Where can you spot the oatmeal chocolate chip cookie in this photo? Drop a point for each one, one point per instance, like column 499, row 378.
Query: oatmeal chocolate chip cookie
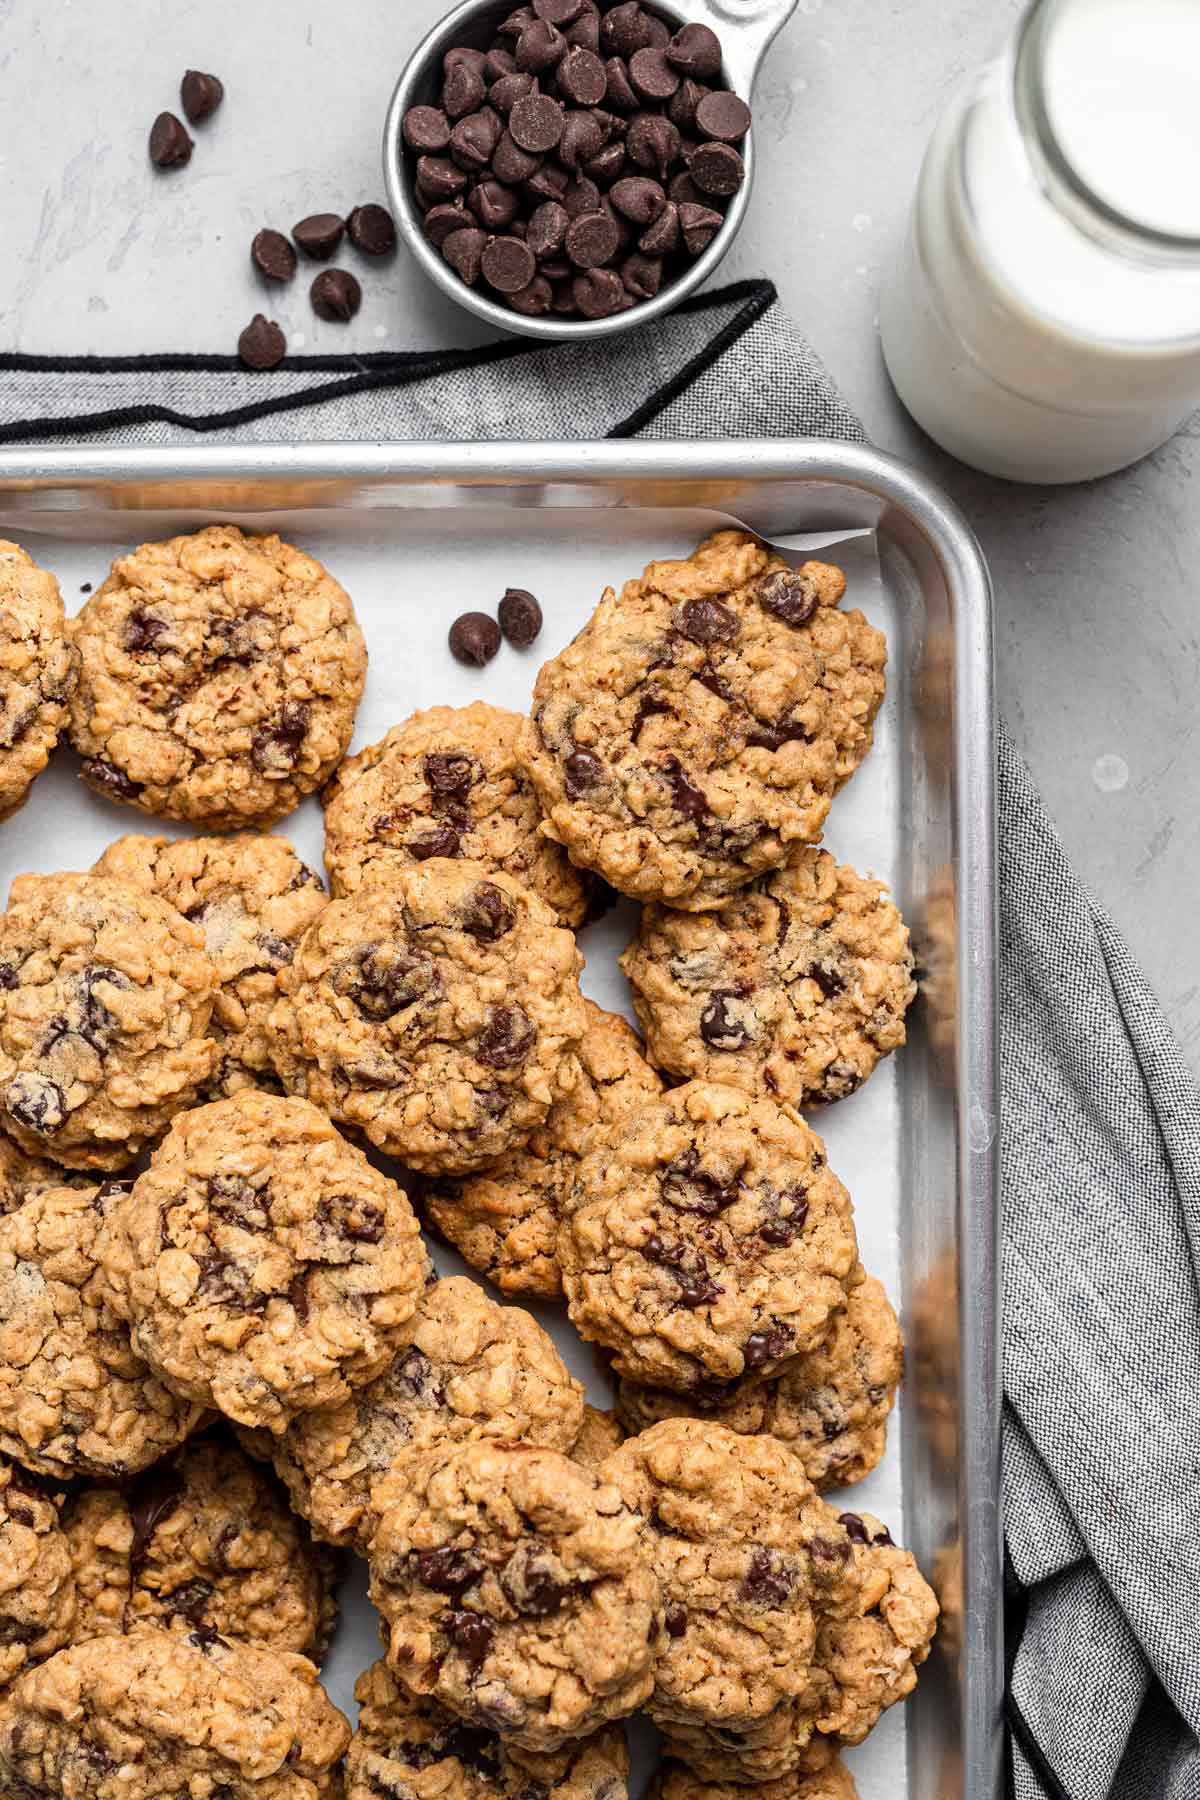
column 38, row 669
column 219, row 681
column 706, row 1237
column 37, row 1588
column 505, row 1219
column 732, row 1526
column 253, row 899
column 473, row 1369
column 675, row 1781
column 446, row 783
column 600, row 1434
column 203, row 1540
column 415, row 1748
column 698, row 727
column 798, row 986
column 876, row 1617
column 22, row 1176
column 518, row 1592
column 264, row 1267
column 157, row 1715
column 829, row 1407
column 105, row 997
column 438, row 1014
column 74, row 1398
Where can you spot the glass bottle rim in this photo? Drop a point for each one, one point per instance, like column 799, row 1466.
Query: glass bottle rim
column 1064, row 184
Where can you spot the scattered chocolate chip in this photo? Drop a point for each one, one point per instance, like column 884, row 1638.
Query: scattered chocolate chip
column 335, row 295
column 689, row 1188
column 581, row 772
column 536, row 123
column 201, row 95
column 723, row 117
column 273, row 255
column 582, row 77
column 520, row 617
column 36, row 1102
column 319, row 235
column 676, row 1621
column 463, row 90
column 470, row 1635
column 687, row 796
column 699, row 226
column 717, row 169
column 508, row 265
column 488, row 916
column 769, row 1578
column 170, row 145
column 448, row 1571
column 706, row 622
column 790, row 595
column 425, row 129
column 474, row 637
column 651, row 75
column 110, row 779
column 275, row 748
column 443, row 840
column 262, row 344
column 142, row 630
column 763, row 1347
column 592, row 240
column 532, row 1582
column 625, row 30
column 724, row 1022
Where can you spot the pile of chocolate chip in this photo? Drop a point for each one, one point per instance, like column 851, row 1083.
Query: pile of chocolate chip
column 582, row 161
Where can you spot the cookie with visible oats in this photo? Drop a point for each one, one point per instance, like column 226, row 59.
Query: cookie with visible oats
column 446, row 782
column 416, row 1748
column 37, row 1587
column 694, row 733
column 38, row 670
column 253, row 899
column 505, row 1219
column 675, row 1781
column 263, row 1265
column 706, row 1238
column 219, row 678
column 439, row 1014
column 797, row 987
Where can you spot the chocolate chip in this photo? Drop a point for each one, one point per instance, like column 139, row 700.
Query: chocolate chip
column 474, row 139
column 607, row 166
column 651, row 75
column 695, row 50
column 585, row 32
column 465, row 54
column 153, row 1497
column 789, row 594
column 451, row 774
column 688, row 1270
column 534, row 300
column 505, row 93
column 463, row 90
column 517, row 22
column 619, row 93
column 784, row 1231
column 273, row 256
column 205, row 1639
column 540, row 46
column 8, row 976
column 531, row 1581
column 723, row 117
column 706, row 622
column 717, row 169
column 110, row 780
column 723, row 1022
column 548, row 230
column 854, row 1528
column 142, row 630
column 769, row 1578
column 319, row 235
column 763, row 1347
column 36, row 1102
column 494, row 205
column 443, row 840
column 512, row 165
column 599, row 294
column 442, row 222
column 639, row 198
column 474, row 637
column 830, row 981
column 581, row 772
column 682, row 108
column 488, row 914
column 335, row 295
column 683, row 190
column 498, row 63
column 448, row 1571
column 463, row 250
column 275, row 747
column 592, row 240
column 699, row 225
column 470, row 1635
column 581, row 140
column 582, row 77
column 201, row 95
column 581, row 196
column 660, row 31
column 689, row 1188
column 507, row 1039
column 676, row 1621
column 508, row 265
column 536, row 123
column 625, row 29
column 170, row 145
column 425, row 129
column 520, row 617
column 558, row 12
column 352, row 1218
column 385, row 979
column 653, row 143
column 688, row 798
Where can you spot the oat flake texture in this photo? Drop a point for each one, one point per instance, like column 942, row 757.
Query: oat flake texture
column 38, row 668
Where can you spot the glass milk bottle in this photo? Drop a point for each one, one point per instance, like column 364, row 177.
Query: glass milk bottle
column 1042, row 320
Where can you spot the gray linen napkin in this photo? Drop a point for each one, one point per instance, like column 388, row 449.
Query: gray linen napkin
column 1101, row 1156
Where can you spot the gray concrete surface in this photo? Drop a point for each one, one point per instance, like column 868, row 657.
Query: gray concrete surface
column 1097, row 587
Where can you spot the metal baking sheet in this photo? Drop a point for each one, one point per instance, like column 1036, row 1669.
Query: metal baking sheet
column 417, row 534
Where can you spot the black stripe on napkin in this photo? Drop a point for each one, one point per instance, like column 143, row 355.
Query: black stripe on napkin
column 353, row 374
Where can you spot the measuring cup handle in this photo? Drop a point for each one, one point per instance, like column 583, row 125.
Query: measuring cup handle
column 746, row 28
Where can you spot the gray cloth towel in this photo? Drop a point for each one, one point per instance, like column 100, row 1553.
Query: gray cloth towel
column 1101, row 1154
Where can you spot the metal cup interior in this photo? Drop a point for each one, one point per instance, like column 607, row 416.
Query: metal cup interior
column 474, row 24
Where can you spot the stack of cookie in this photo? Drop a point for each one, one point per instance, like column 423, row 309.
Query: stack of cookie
column 212, row 1078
